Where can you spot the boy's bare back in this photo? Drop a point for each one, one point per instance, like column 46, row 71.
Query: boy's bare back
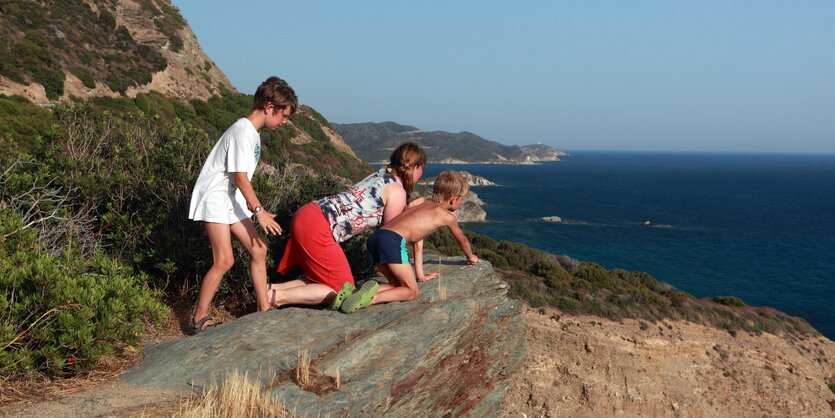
column 420, row 219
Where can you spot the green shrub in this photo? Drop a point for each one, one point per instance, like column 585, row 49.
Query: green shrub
column 60, row 314
column 85, row 77
column 143, row 103
column 21, row 122
column 728, row 300
column 568, row 304
column 495, row 259
column 308, row 123
column 34, row 57
column 596, row 275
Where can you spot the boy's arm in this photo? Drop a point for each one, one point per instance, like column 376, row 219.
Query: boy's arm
column 265, row 218
column 458, row 234
column 421, row 277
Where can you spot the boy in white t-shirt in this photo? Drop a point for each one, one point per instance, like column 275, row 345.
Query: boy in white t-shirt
column 224, row 200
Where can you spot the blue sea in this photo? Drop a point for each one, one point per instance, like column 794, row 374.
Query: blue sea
column 757, row 226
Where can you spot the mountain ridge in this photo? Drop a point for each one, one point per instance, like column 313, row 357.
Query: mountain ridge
column 373, row 142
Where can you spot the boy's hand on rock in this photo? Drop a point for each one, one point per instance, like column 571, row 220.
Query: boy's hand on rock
column 472, row 260
column 428, row 277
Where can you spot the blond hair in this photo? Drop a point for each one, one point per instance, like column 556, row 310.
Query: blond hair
column 403, row 162
column 449, row 184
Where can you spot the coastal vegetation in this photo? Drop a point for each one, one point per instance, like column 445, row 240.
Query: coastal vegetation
column 578, row 287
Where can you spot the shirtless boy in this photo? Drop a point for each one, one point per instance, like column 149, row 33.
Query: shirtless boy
column 387, row 246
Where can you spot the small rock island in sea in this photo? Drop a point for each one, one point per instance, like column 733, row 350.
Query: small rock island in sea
column 472, row 180
column 650, row 224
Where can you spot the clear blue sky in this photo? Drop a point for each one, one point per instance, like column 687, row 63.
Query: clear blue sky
column 751, row 76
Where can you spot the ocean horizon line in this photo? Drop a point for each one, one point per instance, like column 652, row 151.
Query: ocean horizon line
column 692, row 152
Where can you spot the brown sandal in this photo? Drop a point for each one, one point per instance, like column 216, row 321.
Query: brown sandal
column 197, row 327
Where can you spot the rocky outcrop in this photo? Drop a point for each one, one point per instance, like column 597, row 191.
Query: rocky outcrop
column 472, row 210
column 440, row 356
column 538, row 153
column 650, row 224
column 587, row 366
column 472, row 180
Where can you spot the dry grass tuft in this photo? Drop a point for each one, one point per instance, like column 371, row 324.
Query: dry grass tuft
column 441, row 290
column 307, row 378
column 237, row 397
column 338, row 380
column 303, row 368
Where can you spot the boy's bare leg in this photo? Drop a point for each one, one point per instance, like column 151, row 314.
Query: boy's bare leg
column 309, row 294
column 222, row 261
column 403, row 284
column 384, row 286
column 247, row 234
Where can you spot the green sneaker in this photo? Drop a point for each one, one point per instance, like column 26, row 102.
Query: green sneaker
column 361, row 298
column 346, row 290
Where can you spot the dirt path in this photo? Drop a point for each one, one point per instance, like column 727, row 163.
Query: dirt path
column 113, row 398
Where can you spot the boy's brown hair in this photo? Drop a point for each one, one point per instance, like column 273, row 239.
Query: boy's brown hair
column 276, row 91
column 449, row 184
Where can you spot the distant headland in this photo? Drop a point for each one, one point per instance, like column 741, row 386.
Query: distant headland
column 373, row 143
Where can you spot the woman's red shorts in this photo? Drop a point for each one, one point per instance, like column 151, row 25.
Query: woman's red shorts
column 311, row 246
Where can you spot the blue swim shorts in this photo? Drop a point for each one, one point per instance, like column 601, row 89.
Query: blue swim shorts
column 387, row 247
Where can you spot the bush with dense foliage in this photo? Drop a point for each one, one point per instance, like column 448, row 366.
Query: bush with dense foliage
column 61, row 313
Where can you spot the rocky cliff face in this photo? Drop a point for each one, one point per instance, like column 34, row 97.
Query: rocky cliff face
column 85, row 49
column 449, row 353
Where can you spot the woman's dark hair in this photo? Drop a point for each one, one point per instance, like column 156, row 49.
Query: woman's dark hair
column 404, row 159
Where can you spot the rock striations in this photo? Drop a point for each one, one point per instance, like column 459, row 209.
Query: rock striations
column 432, row 356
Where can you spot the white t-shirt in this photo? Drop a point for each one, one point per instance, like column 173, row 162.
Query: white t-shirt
column 237, row 150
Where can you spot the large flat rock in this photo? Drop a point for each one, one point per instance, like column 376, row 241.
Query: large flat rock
column 432, row 356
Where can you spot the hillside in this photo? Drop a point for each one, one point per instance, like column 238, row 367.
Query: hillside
column 53, row 50
column 373, row 142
